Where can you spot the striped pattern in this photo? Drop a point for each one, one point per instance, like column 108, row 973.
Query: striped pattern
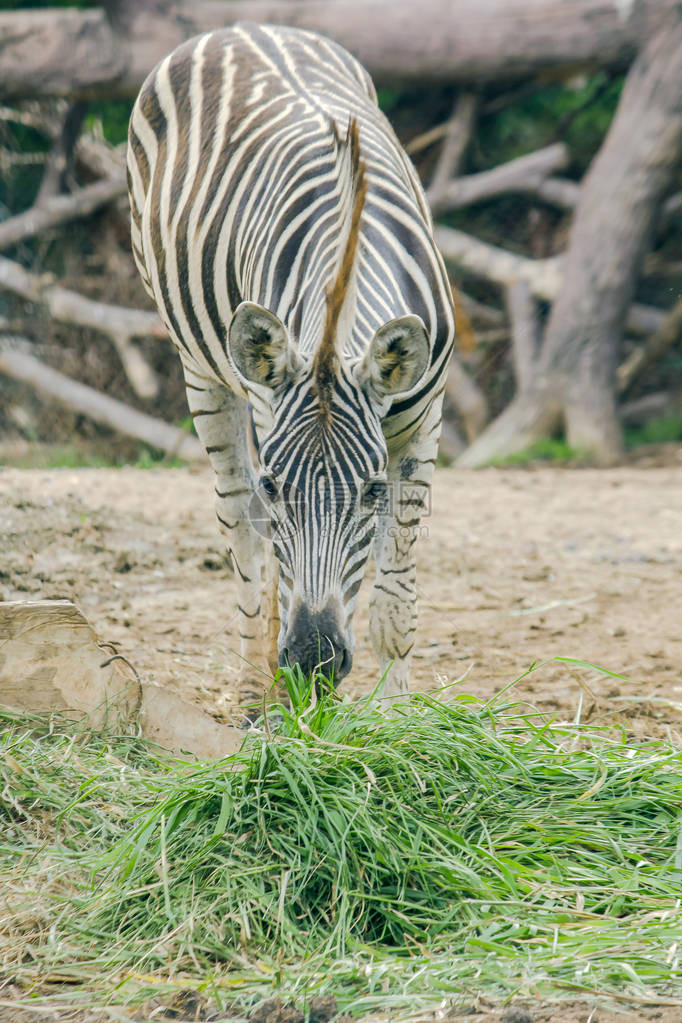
column 241, row 190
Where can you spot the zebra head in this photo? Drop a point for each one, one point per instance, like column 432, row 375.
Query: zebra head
column 322, row 468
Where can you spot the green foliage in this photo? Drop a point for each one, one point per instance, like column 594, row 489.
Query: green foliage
column 149, row 458
column 662, row 430
column 445, row 850
column 20, row 184
column 389, row 99
column 549, row 449
column 95, row 456
column 187, row 424
column 111, row 119
column 577, row 112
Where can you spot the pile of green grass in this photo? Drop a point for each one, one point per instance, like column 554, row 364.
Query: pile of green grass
column 393, row 860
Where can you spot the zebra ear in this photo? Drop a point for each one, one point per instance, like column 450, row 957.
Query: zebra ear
column 259, row 347
column 396, row 359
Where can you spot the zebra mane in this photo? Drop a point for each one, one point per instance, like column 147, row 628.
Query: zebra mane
column 353, row 193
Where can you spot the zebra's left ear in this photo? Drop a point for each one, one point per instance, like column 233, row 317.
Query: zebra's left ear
column 259, row 347
column 396, row 359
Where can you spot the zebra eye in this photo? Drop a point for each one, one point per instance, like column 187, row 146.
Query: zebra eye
column 269, row 487
column 374, row 491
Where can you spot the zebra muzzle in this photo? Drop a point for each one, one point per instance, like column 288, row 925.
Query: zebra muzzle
column 315, row 641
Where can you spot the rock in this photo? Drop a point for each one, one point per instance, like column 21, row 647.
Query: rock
column 51, row 660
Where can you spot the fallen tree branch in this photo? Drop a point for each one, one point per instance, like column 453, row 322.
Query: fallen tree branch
column 103, row 160
column 620, row 199
column 59, row 209
column 522, row 174
column 649, row 406
column 100, row 157
column 426, row 138
column 656, row 266
column 423, row 42
column 120, row 324
column 668, row 333
column 561, row 192
column 458, row 131
column 488, row 338
column 543, row 276
column 100, row 407
column 476, row 310
column 564, row 193
column 58, row 174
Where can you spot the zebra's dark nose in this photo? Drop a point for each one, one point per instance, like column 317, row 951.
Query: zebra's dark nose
column 315, row 640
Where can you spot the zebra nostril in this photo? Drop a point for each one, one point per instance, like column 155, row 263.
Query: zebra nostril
column 346, row 664
column 317, row 643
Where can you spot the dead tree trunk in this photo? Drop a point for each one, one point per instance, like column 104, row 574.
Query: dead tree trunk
column 574, row 376
column 85, row 54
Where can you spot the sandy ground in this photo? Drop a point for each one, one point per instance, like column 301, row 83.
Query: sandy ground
column 517, row 566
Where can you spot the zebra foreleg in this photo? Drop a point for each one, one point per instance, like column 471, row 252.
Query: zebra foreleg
column 393, row 603
column 222, row 423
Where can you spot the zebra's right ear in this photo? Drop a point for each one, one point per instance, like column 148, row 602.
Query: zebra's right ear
column 258, row 346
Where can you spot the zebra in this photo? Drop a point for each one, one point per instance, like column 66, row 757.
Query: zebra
column 284, row 236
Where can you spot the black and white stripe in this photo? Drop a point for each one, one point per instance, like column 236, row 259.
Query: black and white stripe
column 240, row 192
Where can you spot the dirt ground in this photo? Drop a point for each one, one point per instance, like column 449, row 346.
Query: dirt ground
column 528, row 1012
column 517, row 566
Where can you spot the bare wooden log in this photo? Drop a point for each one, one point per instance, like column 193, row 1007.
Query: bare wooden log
column 103, row 160
column 100, row 407
column 100, row 157
column 59, row 209
column 655, row 265
column 457, row 136
column 523, row 173
column 543, row 276
column 120, row 324
column 560, row 192
column 495, row 264
column 564, row 193
column 660, row 403
column 642, row 358
column 83, row 54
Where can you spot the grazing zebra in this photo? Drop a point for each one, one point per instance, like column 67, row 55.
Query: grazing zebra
column 285, row 238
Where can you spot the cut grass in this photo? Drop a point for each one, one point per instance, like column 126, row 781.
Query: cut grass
column 393, row 860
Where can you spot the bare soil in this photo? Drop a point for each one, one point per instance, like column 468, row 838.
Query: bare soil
column 516, row 566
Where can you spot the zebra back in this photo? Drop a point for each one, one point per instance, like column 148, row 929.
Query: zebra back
column 240, row 184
